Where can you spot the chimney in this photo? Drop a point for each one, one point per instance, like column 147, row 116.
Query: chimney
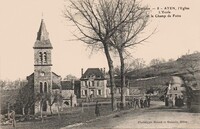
column 73, row 84
column 101, row 70
column 81, row 71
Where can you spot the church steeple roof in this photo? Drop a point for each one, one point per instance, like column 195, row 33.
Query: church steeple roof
column 42, row 40
column 42, row 33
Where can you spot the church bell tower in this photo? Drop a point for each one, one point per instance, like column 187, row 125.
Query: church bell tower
column 42, row 61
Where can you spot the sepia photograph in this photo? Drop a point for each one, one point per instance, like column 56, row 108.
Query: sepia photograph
column 100, row 64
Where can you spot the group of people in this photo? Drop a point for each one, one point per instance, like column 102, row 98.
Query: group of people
column 141, row 102
column 179, row 101
column 174, row 101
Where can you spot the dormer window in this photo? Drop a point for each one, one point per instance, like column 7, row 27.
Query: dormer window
column 91, row 76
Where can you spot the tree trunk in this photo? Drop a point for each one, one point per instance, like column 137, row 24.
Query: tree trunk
column 8, row 108
column 58, row 111
column 50, row 109
column 41, row 111
column 111, row 74
column 122, row 76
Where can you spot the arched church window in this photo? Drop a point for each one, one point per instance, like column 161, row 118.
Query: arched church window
column 40, row 57
column 45, row 57
column 45, row 87
column 41, row 87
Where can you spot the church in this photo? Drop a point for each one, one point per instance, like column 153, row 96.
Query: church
column 43, row 80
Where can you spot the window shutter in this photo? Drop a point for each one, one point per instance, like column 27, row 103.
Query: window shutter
column 83, row 92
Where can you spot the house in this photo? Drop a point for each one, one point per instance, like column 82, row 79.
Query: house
column 176, row 87
column 118, row 88
column 77, row 88
column 93, row 83
column 69, row 97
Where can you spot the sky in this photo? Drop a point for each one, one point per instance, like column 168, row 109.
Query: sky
column 20, row 22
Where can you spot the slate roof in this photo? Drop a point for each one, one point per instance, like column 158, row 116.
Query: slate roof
column 56, row 74
column 42, row 38
column 93, row 72
column 42, row 44
column 55, row 86
column 30, row 76
column 67, row 85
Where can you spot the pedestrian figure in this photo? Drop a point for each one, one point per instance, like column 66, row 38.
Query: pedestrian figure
column 176, row 100
column 133, row 102
column 171, row 101
column 137, row 103
column 182, row 103
column 189, row 102
column 97, row 112
column 129, row 104
column 12, row 118
column 141, row 103
column 166, row 101
column 145, row 103
column 148, row 101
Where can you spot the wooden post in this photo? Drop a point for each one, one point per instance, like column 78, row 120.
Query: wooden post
column 82, row 107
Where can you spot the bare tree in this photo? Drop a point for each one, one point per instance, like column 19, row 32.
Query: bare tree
column 58, row 100
column 50, row 101
column 127, row 34
column 95, row 21
column 130, row 65
column 157, row 64
column 109, row 25
column 25, row 98
column 41, row 99
column 70, row 77
column 157, row 61
column 191, row 64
